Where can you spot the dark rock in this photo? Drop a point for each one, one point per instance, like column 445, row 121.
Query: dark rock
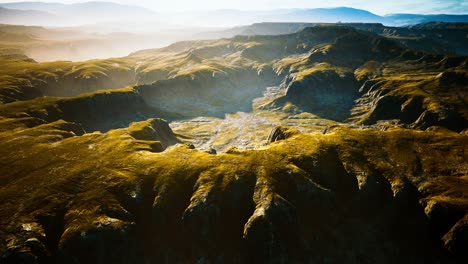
column 211, row 151
column 155, row 129
column 190, row 146
column 271, row 235
column 394, row 107
column 456, row 240
column 15, row 256
column 324, row 93
column 451, row 78
column 442, row 215
column 107, row 241
column 75, row 128
column 328, row 171
column 156, row 147
column 375, row 193
column 281, row 133
column 444, row 118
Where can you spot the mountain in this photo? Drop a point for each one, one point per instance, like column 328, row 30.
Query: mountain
column 87, row 12
column 329, row 143
column 273, row 149
column 26, row 17
column 40, row 6
column 412, row 19
column 98, row 12
column 230, row 17
column 433, row 37
column 329, row 15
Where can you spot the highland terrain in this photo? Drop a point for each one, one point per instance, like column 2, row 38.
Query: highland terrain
column 269, row 143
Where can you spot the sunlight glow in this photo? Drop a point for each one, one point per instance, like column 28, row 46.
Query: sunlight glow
column 381, row 7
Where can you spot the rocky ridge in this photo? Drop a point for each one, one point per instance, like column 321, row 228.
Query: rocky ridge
column 358, row 146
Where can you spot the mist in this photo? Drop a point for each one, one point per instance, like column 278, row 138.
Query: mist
column 93, row 30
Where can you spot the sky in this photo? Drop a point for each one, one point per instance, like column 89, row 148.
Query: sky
column 380, row 7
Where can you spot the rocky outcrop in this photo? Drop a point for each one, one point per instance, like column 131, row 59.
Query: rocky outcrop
column 154, row 129
column 416, row 100
column 324, row 93
column 389, row 107
column 301, row 200
column 97, row 112
column 17, row 92
column 457, row 239
column 122, row 195
column 443, row 118
column 208, row 93
column 280, row 133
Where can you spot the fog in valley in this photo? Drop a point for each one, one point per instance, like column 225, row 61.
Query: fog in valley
column 91, row 30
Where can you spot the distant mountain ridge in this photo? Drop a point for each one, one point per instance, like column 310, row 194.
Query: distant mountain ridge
column 100, row 11
column 16, row 16
column 432, row 37
column 78, row 7
column 79, row 13
column 338, row 14
column 412, row 19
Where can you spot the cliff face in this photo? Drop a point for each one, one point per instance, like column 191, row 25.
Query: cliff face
column 416, row 94
column 432, row 37
column 324, row 93
column 94, row 112
column 208, row 93
column 302, row 199
column 358, row 146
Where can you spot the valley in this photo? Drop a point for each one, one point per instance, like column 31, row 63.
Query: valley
column 258, row 148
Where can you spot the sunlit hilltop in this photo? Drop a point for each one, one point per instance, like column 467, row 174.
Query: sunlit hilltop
column 233, row 132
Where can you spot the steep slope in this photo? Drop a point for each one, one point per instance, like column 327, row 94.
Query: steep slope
column 418, row 93
column 302, row 199
column 23, row 78
column 320, row 71
column 278, row 149
column 431, row 37
column 318, row 68
column 97, row 112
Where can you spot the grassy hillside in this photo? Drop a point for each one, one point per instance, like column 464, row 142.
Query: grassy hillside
column 275, row 149
column 303, row 198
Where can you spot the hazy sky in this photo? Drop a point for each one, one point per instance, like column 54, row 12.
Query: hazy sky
column 380, row 7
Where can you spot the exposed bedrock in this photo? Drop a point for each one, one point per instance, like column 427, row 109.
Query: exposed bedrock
column 415, row 103
column 20, row 91
column 94, row 112
column 413, row 111
column 154, row 129
column 255, row 207
column 356, row 48
column 131, row 194
column 390, row 107
column 281, row 133
column 447, row 118
column 208, row 93
column 457, row 239
column 324, row 93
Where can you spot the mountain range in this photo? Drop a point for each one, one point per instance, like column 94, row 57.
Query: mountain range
column 281, row 149
column 71, row 14
column 41, row 13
